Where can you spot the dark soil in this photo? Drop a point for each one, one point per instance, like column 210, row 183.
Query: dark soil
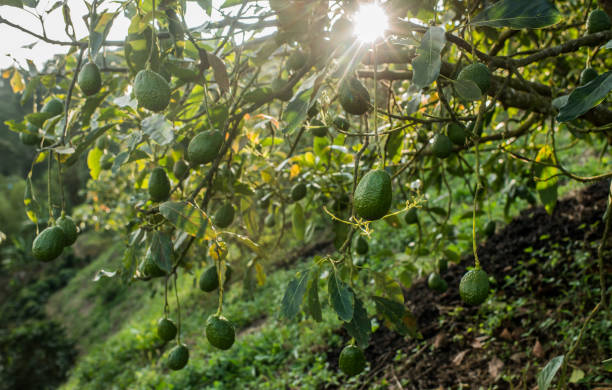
column 456, row 350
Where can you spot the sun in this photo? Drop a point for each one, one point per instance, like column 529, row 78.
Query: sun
column 370, row 23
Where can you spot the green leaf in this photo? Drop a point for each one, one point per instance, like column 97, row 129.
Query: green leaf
column 206, row 5
column 396, row 317
column 298, row 222
column 29, row 90
column 577, row 375
column 298, row 107
column 91, row 137
column 12, row 3
column 17, row 127
column 294, row 294
column 426, row 66
column 360, row 327
column 388, row 287
column 547, row 183
column 129, row 263
column 219, row 71
column 98, row 34
column 29, row 201
column 607, row 364
column 249, row 216
column 547, row 374
column 231, row 3
column 314, row 305
column 340, row 296
column 247, row 242
column 161, row 251
column 90, row 105
column 467, row 90
column 583, row 98
column 185, row 216
column 518, row 14
column 158, row 128
column 93, row 162
column 38, row 118
column 296, row 112
column 452, row 255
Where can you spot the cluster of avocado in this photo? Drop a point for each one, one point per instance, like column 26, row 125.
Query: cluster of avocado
column 50, row 243
column 597, row 21
column 456, row 133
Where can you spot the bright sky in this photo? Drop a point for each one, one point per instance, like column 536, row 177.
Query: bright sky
column 12, row 40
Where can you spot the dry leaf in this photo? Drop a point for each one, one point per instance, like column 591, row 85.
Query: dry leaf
column 537, row 349
column 517, row 357
column 495, row 366
column 477, row 344
column 506, row 335
column 459, row 357
column 438, row 340
column 220, row 72
column 478, row 341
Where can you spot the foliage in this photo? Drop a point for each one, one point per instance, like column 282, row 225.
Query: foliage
column 174, row 93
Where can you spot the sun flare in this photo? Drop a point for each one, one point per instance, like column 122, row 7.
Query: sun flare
column 370, row 23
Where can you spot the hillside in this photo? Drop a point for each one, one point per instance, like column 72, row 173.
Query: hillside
column 537, row 308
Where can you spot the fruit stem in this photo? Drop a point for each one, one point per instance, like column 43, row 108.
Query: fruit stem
column 153, row 36
column 50, row 206
column 376, row 103
column 61, row 184
column 178, row 309
column 220, row 277
column 166, row 306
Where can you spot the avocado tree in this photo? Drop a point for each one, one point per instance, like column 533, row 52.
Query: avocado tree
column 297, row 116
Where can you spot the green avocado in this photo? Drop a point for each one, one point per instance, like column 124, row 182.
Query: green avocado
column 373, row 195
column 598, row 21
column 341, row 123
column 411, row 217
column 166, row 330
column 442, row 146
column 587, row 75
column 53, row 107
column 436, row 283
column 159, row 185
column 298, row 192
column 352, row 360
column 180, row 170
column 278, row 85
column 178, row 357
column 354, row 97
column 204, row 147
column 456, row 133
column 149, row 269
column 209, row 280
column 318, row 128
column 220, row 332
column 361, row 246
column 69, row 228
column 48, row 244
column 151, row 90
column 474, row 287
column 89, row 79
column 224, row 216
column 478, row 73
